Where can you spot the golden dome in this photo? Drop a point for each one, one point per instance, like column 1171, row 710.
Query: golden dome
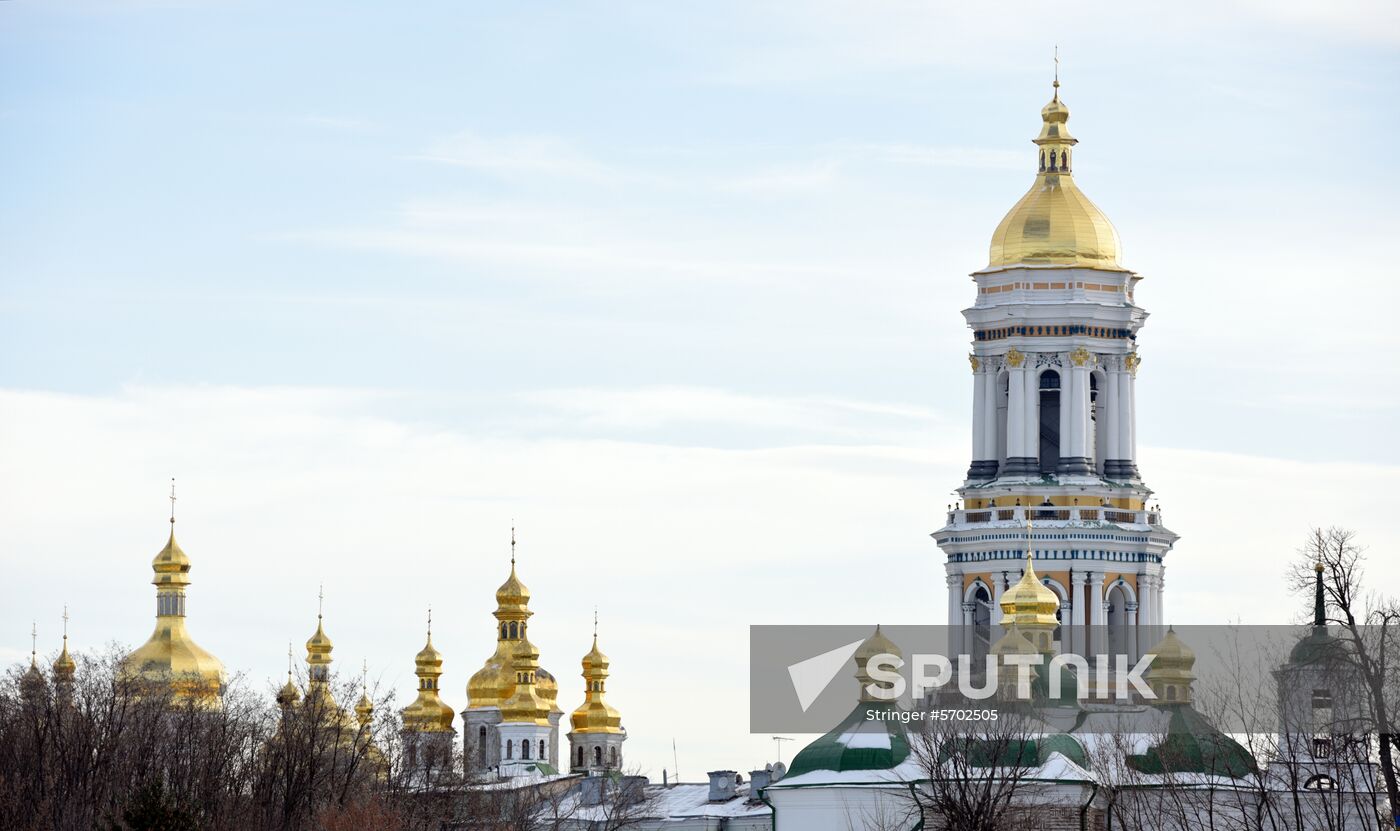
column 1013, row 642
column 170, row 654
column 876, row 644
column 319, row 643
column 1170, row 675
column 494, row 683
column 525, row 704
column 513, row 592
column 64, row 666
column 364, row 709
column 428, row 713
column 595, row 714
column 289, row 694
column 1029, row 603
column 1055, row 224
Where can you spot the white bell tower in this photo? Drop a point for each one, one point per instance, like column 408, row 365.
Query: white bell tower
column 1054, row 365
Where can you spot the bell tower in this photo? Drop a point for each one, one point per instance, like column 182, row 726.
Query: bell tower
column 1054, row 366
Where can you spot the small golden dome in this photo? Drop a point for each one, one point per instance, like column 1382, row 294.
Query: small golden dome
column 428, row 713
column 428, row 657
column 64, row 666
column 289, row 694
column 876, row 644
column 364, row 709
column 1013, row 642
column 525, row 703
column 513, row 592
column 1170, row 675
column 1055, row 224
column 595, row 714
column 319, row 643
column 1029, row 603
column 171, row 565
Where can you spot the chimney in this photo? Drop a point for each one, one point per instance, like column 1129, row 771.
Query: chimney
column 591, row 790
column 721, row 785
column 758, row 780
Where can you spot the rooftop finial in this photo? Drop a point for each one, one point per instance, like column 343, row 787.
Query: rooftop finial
column 364, row 676
column 512, row 543
column 33, row 643
column 430, row 621
column 1030, row 552
column 1057, row 72
column 172, row 500
column 290, row 659
column 595, row 623
column 65, row 623
column 320, row 600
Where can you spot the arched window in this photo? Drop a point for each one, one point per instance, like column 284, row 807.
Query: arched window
column 503, row 631
column 1042, row 161
column 1003, row 397
column 580, row 756
column 1049, row 421
column 525, row 749
column 512, row 630
column 1320, row 782
column 510, row 749
column 597, row 756
column 612, row 756
column 542, row 757
column 481, row 744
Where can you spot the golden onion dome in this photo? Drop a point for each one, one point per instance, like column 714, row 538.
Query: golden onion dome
column 364, row 709
column 319, row 643
column 428, row 713
column 64, row 666
column 595, row 715
column 1013, row 642
column 513, row 592
column 525, row 704
column 876, row 644
column 1170, row 675
column 1055, row 224
column 170, row 654
column 493, row 683
column 428, row 657
column 289, row 694
column 1029, row 603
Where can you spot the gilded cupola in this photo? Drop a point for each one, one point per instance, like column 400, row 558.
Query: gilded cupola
column 428, row 713
column 1171, row 674
column 1030, row 605
column 64, row 666
column 170, row 654
column 494, row 683
column 318, row 659
column 596, row 715
column 1055, row 224
column 525, row 705
column 876, row 644
column 289, row 695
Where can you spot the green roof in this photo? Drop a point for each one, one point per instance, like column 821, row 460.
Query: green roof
column 1194, row 745
column 837, row 752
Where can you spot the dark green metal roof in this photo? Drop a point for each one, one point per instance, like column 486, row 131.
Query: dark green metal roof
column 831, row 753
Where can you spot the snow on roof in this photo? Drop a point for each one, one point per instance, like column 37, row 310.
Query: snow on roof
column 678, row 801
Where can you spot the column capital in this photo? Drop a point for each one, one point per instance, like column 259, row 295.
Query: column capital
column 969, row 607
column 1094, row 578
column 955, row 581
column 1081, row 357
column 1131, row 362
column 1130, row 606
column 1015, row 358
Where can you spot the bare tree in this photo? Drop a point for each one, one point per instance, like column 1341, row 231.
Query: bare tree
column 1370, row 627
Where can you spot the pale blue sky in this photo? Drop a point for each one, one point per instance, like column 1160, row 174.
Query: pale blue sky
column 339, row 265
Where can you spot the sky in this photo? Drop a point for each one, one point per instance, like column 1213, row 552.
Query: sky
column 675, row 289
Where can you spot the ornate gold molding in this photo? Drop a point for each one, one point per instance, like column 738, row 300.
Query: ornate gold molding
column 1015, row 357
column 1080, row 356
column 976, row 364
column 1132, row 362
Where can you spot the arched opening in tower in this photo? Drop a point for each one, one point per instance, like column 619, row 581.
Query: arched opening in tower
column 1049, row 421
